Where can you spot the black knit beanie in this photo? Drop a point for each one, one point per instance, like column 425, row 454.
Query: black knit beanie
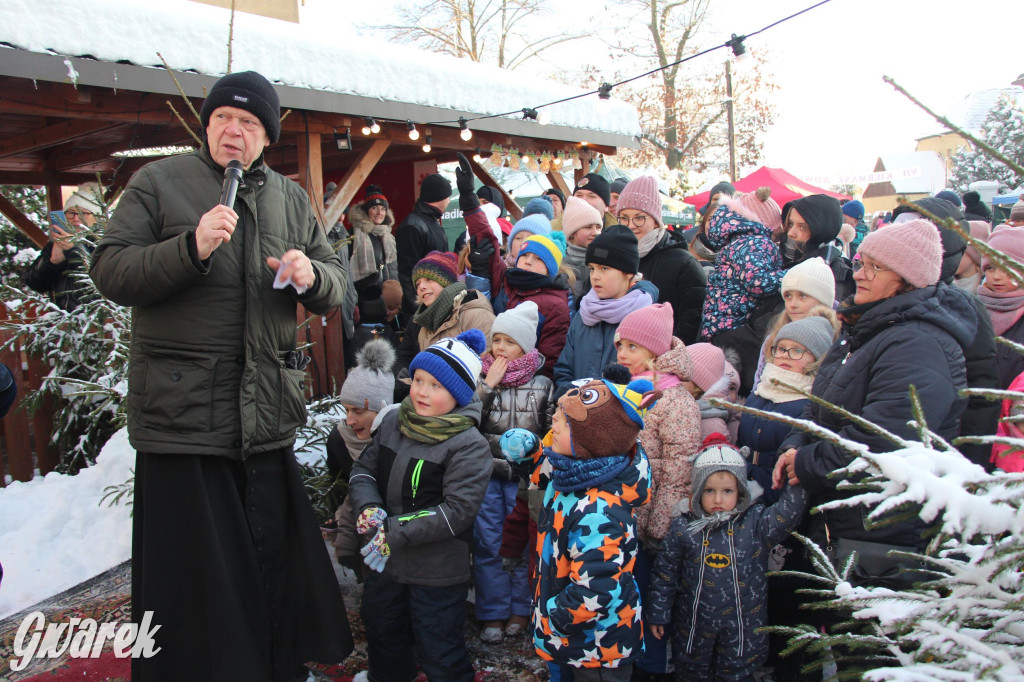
column 245, row 90
column 555, row 192
column 617, row 248
column 596, row 184
column 824, row 216
column 435, row 188
column 491, row 194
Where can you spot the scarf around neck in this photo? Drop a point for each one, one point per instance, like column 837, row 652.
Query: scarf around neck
column 524, row 280
column 353, row 443
column 650, row 240
column 430, row 430
column 666, row 380
column 702, row 248
column 364, row 262
column 519, row 371
column 432, row 316
column 571, row 475
column 1004, row 309
column 577, row 255
column 612, row 310
column 780, row 394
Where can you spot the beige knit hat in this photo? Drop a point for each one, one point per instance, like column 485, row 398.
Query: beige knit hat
column 812, row 277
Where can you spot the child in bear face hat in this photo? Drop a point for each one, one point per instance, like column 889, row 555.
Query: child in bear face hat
column 709, row 578
column 586, row 591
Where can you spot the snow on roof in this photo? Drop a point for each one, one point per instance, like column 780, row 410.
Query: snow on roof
column 970, row 113
column 193, row 37
column 929, row 171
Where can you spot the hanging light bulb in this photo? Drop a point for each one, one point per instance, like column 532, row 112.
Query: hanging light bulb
column 604, row 92
column 478, row 157
column 464, row 132
column 366, row 128
column 413, row 133
column 525, row 158
column 426, row 144
column 529, row 114
column 370, row 126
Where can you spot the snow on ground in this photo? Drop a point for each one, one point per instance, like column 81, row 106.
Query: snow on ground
column 55, row 533
column 193, row 36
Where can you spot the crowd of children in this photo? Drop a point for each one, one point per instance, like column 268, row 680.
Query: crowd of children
column 588, row 473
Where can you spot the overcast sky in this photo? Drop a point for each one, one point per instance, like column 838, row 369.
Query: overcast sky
column 834, row 114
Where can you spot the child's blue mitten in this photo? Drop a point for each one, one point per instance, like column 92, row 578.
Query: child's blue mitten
column 518, row 445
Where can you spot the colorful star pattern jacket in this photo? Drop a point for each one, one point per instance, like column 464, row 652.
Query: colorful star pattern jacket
column 586, row 602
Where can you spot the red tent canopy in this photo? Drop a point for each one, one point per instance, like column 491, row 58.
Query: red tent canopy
column 785, row 187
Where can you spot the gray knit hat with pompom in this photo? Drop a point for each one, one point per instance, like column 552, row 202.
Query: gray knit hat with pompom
column 371, row 385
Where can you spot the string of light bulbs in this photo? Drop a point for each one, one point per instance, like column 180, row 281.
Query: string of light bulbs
column 371, row 125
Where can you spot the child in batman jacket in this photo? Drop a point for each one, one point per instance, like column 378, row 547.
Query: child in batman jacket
column 712, row 567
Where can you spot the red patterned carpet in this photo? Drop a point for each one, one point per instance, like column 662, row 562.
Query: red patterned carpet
column 105, row 599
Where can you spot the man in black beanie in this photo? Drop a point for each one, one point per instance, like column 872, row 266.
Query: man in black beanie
column 222, row 528
column 596, row 191
column 420, row 233
column 557, row 200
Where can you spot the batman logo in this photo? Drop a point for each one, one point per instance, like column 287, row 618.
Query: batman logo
column 717, row 560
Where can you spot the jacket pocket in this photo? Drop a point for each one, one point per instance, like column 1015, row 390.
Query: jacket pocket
column 292, row 396
column 177, row 390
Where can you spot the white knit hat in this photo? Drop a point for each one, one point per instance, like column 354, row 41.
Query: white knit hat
column 577, row 214
column 519, row 324
column 87, row 196
column 812, row 277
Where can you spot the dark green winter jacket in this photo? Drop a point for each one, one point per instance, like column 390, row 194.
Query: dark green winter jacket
column 211, row 341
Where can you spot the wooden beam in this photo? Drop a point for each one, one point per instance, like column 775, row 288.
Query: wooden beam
column 311, row 173
column 51, row 136
column 12, row 213
column 353, row 179
column 54, row 197
column 557, row 181
column 511, row 206
column 142, row 138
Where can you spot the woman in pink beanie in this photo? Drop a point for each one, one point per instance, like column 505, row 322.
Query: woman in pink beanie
column 1003, row 297
column 665, row 258
column 671, row 435
column 904, row 328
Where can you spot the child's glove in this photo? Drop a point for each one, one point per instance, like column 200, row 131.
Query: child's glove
column 369, row 519
column 376, row 552
column 518, row 445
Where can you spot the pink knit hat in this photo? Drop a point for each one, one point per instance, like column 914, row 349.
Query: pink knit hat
column 650, row 326
column 708, row 364
column 757, row 206
column 577, row 214
column 642, row 195
column 981, row 231
column 913, row 250
column 1009, row 240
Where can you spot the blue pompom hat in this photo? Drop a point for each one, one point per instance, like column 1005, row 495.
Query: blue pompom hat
column 455, row 363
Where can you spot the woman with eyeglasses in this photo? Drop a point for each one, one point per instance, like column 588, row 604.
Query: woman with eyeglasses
column 904, row 328
column 53, row 272
column 665, row 258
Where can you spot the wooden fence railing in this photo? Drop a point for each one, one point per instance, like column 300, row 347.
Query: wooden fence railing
column 25, row 448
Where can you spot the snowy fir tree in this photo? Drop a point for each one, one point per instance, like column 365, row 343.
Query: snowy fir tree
column 87, row 350
column 1003, row 129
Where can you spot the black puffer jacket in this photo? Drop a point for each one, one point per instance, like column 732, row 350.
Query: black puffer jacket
column 419, row 234
column 59, row 281
column 680, row 280
column 909, row 339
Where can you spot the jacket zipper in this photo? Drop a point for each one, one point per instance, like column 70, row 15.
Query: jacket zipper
column 416, row 477
column 696, row 594
column 736, row 590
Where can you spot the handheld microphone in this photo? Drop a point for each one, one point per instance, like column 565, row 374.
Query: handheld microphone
column 232, row 176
